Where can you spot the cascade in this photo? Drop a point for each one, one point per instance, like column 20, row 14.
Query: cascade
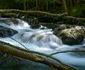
column 42, row 40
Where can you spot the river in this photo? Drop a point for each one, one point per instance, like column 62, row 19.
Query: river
column 41, row 40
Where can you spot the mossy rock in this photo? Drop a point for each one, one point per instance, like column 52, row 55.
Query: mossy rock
column 72, row 36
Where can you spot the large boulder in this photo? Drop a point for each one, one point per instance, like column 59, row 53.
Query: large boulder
column 6, row 32
column 72, row 36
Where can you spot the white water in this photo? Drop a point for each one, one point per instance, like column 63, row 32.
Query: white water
column 43, row 40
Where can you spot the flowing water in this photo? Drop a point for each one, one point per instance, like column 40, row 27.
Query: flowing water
column 41, row 40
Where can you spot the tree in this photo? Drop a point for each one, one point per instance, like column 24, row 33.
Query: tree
column 25, row 3
column 71, row 3
column 46, row 4
column 37, row 4
column 65, row 6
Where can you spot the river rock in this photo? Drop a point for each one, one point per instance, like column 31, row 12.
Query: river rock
column 72, row 36
column 33, row 21
column 6, row 32
column 10, row 62
column 60, row 27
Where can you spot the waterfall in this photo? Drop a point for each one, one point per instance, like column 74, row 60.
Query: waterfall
column 42, row 40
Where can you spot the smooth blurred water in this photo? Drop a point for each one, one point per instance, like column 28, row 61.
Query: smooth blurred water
column 43, row 40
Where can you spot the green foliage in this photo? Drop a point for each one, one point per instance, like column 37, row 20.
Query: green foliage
column 76, row 12
column 4, row 7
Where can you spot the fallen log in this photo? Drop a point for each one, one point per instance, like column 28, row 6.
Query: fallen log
column 16, row 51
column 32, row 13
column 43, row 16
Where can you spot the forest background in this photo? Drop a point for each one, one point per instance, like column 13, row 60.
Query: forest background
column 71, row 7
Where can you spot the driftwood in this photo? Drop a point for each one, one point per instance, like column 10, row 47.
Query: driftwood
column 32, row 55
column 43, row 16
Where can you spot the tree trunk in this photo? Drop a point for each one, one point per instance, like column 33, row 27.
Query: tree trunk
column 54, row 4
column 37, row 4
column 65, row 6
column 27, row 6
column 74, row 3
column 46, row 4
column 71, row 3
column 24, row 4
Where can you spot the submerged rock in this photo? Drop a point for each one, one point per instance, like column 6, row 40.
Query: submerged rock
column 10, row 21
column 6, row 32
column 72, row 36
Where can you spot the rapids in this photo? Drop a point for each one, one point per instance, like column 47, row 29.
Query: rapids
column 42, row 40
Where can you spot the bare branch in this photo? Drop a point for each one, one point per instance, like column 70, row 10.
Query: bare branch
column 67, row 51
column 19, row 43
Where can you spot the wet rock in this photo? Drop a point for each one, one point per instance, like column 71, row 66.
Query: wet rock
column 9, row 62
column 6, row 32
column 10, row 21
column 72, row 36
column 33, row 21
column 61, row 27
